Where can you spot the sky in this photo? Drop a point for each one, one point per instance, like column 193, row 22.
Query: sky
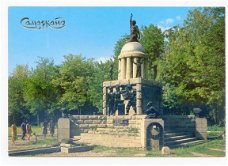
column 89, row 31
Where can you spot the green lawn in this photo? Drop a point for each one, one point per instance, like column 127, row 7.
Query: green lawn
column 25, row 144
column 216, row 128
column 213, row 148
column 35, row 129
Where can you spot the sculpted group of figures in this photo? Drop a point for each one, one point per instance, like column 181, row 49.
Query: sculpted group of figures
column 115, row 102
column 129, row 94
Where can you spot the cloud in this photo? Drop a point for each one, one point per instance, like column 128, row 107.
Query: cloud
column 178, row 17
column 163, row 28
column 103, row 59
column 167, row 21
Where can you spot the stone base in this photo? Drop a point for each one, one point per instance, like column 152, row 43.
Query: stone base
column 63, row 129
column 201, row 128
column 73, row 149
column 113, row 131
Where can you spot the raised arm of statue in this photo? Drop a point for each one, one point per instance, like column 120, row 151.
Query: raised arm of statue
column 131, row 19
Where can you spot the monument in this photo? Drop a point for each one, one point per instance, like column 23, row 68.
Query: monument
column 134, row 89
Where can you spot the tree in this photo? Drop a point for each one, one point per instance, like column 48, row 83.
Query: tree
column 40, row 94
column 194, row 61
column 153, row 42
column 17, row 108
column 101, row 74
column 75, row 75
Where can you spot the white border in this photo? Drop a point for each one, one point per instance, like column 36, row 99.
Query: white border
column 5, row 160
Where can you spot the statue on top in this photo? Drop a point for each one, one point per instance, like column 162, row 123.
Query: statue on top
column 135, row 34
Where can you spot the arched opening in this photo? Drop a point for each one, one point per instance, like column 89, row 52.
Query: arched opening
column 154, row 136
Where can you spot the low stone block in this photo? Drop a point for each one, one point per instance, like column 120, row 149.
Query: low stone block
column 83, row 117
column 63, row 134
column 85, row 130
column 65, row 145
column 64, row 123
column 102, row 117
column 165, row 150
column 76, row 149
column 102, row 125
column 97, row 121
column 88, row 121
column 79, row 121
column 84, row 126
column 92, row 125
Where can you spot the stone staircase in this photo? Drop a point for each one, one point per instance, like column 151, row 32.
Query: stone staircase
column 175, row 139
column 179, row 134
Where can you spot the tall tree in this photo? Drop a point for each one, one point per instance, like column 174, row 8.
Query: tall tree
column 75, row 75
column 153, row 42
column 40, row 94
column 17, row 108
column 194, row 60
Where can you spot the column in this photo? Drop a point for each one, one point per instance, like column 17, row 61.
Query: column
column 123, row 68
column 131, row 64
column 134, row 67
column 128, row 72
column 119, row 69
column 142, row 68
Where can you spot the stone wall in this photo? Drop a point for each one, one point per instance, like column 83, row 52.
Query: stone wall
column 180, row 123
column 114, row 131
column 125, row 131
column 87, row 123
column 186, row 124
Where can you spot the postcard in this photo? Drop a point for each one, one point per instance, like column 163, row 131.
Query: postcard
column 107, row 81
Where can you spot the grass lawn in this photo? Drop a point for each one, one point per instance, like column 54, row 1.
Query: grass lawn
column 25, row 144
column 35, row 129
column 211, row 148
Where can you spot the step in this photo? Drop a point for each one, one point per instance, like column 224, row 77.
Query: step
column 173, row 138
column 180, row 141
column 172, row 134
column 186, row 144
column 179, row 129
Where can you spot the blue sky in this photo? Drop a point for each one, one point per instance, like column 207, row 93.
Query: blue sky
column 89, row 31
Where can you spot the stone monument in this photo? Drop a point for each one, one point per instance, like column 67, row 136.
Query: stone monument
column 133, row 86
